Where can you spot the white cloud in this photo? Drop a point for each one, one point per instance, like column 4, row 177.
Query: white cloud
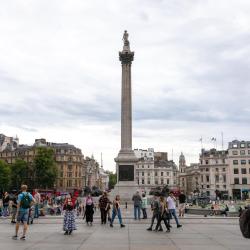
column 60, row 74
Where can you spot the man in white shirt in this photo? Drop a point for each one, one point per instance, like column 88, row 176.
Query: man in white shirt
column 37, row 198
column 172, row 208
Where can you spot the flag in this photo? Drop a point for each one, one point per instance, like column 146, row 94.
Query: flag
column 213, row 139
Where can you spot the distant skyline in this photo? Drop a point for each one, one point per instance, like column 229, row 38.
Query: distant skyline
column 60, row 75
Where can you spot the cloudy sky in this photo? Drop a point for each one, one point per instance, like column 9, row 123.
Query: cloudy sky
column 60, row 76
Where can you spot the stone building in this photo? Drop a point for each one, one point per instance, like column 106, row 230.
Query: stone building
column 189, row 176
column 239, row 169
column 214, row 172
column 223, row 172
column 68, row 158
column 91, row 175
column 7, row 142
column 155, row 170
column 104, row 177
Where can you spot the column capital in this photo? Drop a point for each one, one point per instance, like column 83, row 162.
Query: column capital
column 126, row 57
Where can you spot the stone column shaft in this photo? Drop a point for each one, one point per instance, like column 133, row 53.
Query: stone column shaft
column 126, row 109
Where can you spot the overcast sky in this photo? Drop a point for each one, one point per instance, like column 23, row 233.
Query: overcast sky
column 60, row 75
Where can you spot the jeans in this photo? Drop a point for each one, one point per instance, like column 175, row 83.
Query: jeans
column 36, row 211
column 173, row 212
column 144, row 212
column 5, row 211
column 118, row 213
column 137, row 212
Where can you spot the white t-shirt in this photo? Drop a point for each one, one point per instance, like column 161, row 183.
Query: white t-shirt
column 37, row 197
column 171, row 203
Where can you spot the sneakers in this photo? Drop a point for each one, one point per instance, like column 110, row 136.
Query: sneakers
column 122, row 225
column 66, row 233
column 149, row 229
column 22, row 238
column 179, row 226
column 111, row 225
column 15, row 237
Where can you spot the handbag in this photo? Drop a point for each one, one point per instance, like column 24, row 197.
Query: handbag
column 166, row 215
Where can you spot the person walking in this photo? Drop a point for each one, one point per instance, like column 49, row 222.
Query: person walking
column 37, row 197
column 89, row 209
column 172, row 208
column 164, row 215
column 182, row 204
column 144, row 206
column 116, row 211
column 24, row 202
column 69, row 216
column 137, row 205
column 13, row 208
column 6, row 200
column 155, row 207
column 103, row 205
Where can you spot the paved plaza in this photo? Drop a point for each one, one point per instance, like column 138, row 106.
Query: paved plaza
column 197, row 233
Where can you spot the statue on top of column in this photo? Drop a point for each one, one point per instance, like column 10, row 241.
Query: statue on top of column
column 126, row 41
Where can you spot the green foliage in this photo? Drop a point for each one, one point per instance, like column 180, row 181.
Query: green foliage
column 20, row 174
column 4, row 176
column 45, row 170
column 112, row 180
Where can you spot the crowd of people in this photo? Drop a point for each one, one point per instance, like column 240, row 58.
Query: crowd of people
column 24, row 207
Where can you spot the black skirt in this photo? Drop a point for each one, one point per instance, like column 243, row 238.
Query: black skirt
column 89, row 212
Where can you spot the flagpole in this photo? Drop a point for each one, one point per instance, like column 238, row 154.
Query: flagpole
column 222, row 141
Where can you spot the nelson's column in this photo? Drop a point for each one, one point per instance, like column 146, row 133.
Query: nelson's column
column 126, row 160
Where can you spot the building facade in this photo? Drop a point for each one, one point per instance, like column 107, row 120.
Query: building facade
column 214, row 173
column 189, row 177
column 91, row 173
column 68, row 158
column 7, row 142
column 223, row 173
column 155, row 170
column 239, row 169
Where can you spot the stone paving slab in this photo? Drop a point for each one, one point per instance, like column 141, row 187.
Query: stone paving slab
column 195, row 234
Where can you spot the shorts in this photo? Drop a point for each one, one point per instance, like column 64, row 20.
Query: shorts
column 23, row 216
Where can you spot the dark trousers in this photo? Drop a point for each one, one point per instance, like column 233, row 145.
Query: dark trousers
column 103, row 215
column 144, row 212
column 166, row 222
column 154, row 217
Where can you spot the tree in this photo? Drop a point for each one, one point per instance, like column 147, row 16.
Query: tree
column 4, row 176
column 45, row 170
column 112, row 179
column 20, row 174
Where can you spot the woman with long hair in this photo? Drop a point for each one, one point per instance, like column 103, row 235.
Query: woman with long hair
column 116, row 211
column 164, row 215
column 69, row 216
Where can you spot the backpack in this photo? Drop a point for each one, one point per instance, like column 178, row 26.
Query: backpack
column 245, row 223
column 25, row 201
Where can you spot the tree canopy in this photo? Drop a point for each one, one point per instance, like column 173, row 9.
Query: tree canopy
column 5, row 173
column 112, row 179
column 45, row 170
column 20, row 174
